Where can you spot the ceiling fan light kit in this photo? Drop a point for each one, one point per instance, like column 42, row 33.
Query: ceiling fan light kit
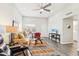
column 44, row 8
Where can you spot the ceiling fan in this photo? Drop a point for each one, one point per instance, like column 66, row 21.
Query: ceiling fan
column 43, row 8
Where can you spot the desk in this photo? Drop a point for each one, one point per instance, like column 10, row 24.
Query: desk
column 16, row 49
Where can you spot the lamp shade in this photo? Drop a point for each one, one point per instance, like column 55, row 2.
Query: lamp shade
column 10, row 29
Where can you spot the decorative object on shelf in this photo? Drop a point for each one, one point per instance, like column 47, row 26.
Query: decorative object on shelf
column 54, row 30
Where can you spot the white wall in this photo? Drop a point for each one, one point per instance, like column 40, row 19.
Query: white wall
column 74, row 8
column 68, row 32
column 75, row 28
column 17, row 16
column 40, row 23
column 8, row 12
column 78, row 34
column 55, row 21
column 5, row 14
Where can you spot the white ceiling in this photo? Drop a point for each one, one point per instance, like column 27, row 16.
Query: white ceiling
column 27, row 9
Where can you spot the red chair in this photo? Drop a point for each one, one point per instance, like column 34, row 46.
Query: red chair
column 37, row 35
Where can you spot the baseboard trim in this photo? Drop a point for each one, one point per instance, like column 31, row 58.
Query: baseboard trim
column 66, row 42
column 45, row 37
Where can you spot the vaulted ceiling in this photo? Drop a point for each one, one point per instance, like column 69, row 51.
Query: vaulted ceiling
column 27, row 9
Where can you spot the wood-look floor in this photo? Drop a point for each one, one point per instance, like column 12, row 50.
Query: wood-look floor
column 60, row 49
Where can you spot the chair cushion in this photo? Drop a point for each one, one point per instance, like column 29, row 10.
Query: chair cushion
column 7, row 38
column 37, row 35
column 20, row 35
column 5, row 47
column 15, row 36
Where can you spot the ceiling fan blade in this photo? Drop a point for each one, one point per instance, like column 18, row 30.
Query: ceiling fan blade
column 47, row 5
column 35, row 9
column 47, row 10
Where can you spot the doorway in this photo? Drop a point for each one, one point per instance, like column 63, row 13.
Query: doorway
column 69, row 30
column 75, row 28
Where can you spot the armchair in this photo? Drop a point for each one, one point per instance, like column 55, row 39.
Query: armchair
column 37, row 35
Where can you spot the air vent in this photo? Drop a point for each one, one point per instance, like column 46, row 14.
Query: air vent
column 69, row 13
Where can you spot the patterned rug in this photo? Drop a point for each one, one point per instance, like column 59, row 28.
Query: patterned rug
column 42, row 52
column 32, row 43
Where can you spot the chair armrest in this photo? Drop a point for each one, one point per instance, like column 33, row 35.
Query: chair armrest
column 14, row 47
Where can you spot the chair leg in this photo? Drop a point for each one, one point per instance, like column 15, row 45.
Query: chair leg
column 36, row 41
column 41, row 41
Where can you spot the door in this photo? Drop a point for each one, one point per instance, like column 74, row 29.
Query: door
column 68, row 30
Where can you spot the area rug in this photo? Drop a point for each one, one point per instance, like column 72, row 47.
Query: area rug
column 42, row 52
column 32, row 43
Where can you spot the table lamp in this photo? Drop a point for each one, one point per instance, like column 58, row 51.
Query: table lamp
column 11, row 29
